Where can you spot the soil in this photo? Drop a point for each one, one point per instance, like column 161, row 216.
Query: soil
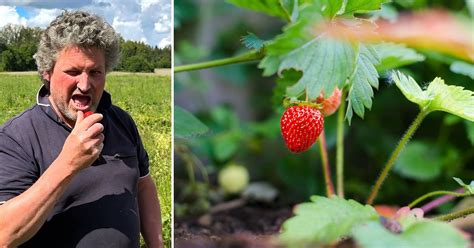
column 248, row 226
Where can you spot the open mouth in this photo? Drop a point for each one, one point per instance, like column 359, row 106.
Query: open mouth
column 81, row 102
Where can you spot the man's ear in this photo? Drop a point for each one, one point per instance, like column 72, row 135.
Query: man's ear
column 46, row 76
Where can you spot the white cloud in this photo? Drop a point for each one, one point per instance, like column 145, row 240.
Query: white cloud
column 160, row 28
column 140, row 20
column 43, row 17
column 9, row 15
column 147, row 3
column 165, row 42
column 130, row 30
column 157, row 12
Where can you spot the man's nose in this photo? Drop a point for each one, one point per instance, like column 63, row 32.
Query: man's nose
column 84, row 83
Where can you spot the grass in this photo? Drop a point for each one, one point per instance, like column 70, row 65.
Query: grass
column 148, row 100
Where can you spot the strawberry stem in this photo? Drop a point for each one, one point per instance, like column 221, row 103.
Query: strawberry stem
column 435, row 203
column 456, row 215
column 246, row 57
column 440, row 192
column 325, row 162
column 184, row 152
column 401, row 145
column 340, row 145
column 294, row 102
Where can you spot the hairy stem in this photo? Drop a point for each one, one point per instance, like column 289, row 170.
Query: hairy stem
column 340, row 146
column 201, row 168
column 435, row 203
column 325, row 163
column 184, row 152
column 456, row 215
column 246, row 57
column 440, row 192
column 401, row 145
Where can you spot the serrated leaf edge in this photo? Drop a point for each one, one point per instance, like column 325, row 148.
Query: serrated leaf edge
column 468, row 188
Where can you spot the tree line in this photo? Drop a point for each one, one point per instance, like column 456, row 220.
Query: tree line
column 18, row 44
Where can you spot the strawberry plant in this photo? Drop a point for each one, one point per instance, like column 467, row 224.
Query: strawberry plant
column 326, row 62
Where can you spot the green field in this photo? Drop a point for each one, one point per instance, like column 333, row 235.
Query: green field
column 146, row 97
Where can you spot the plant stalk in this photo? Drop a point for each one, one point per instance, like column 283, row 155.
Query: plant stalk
column 435, row 203
column 455, row 215
column 401, row 145
column 325, row 163
column 440, row 192
column 246, row 57
column 340, row 145
column 188, row 160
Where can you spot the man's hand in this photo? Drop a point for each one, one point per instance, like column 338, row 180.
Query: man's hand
column 84, row 145
column 22, row 216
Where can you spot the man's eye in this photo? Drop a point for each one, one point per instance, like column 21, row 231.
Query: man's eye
column 96, row 72
column 73, row 73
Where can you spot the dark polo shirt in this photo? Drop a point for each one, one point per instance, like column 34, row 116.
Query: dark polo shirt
column 99, row 207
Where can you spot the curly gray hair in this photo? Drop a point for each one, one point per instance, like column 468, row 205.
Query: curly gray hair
column 77, row 28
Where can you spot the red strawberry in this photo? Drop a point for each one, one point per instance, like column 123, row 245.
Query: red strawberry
column 331, row 103
column 88, row 113
column 301, row 127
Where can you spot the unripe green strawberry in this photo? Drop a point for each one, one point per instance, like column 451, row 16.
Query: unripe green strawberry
column 331, row 103
column 233, row 178
column 301, row 127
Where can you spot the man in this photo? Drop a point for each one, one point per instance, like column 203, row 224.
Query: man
column 67, row 180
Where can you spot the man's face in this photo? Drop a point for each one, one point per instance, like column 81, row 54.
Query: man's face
column 76, row 82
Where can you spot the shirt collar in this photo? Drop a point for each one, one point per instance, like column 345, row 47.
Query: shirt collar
column 42, row 99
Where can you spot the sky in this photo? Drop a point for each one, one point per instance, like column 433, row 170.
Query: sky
column 139, row 20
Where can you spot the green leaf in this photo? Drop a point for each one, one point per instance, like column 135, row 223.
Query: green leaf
column 268, row 129
column 413, row 4
column 470, row 7
column 329, row 8
column 438, row 97
column 294, row 35
column 291, row 8
column 325, row 63
column 410, row 89
column 395, row 55
column 251, row 41
column 387, row 12
column 421, row 234
column 363, row 6
column 288, row 78
column 451, row 99
column 325, row 220
column 469, row 188
column 463, row 68
column 225, row 117
column 365, row 77
column 269, row 7
column 297, row 33
column 225, row 145
column 186, row 125
column 269, row 64
column 420, row 161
